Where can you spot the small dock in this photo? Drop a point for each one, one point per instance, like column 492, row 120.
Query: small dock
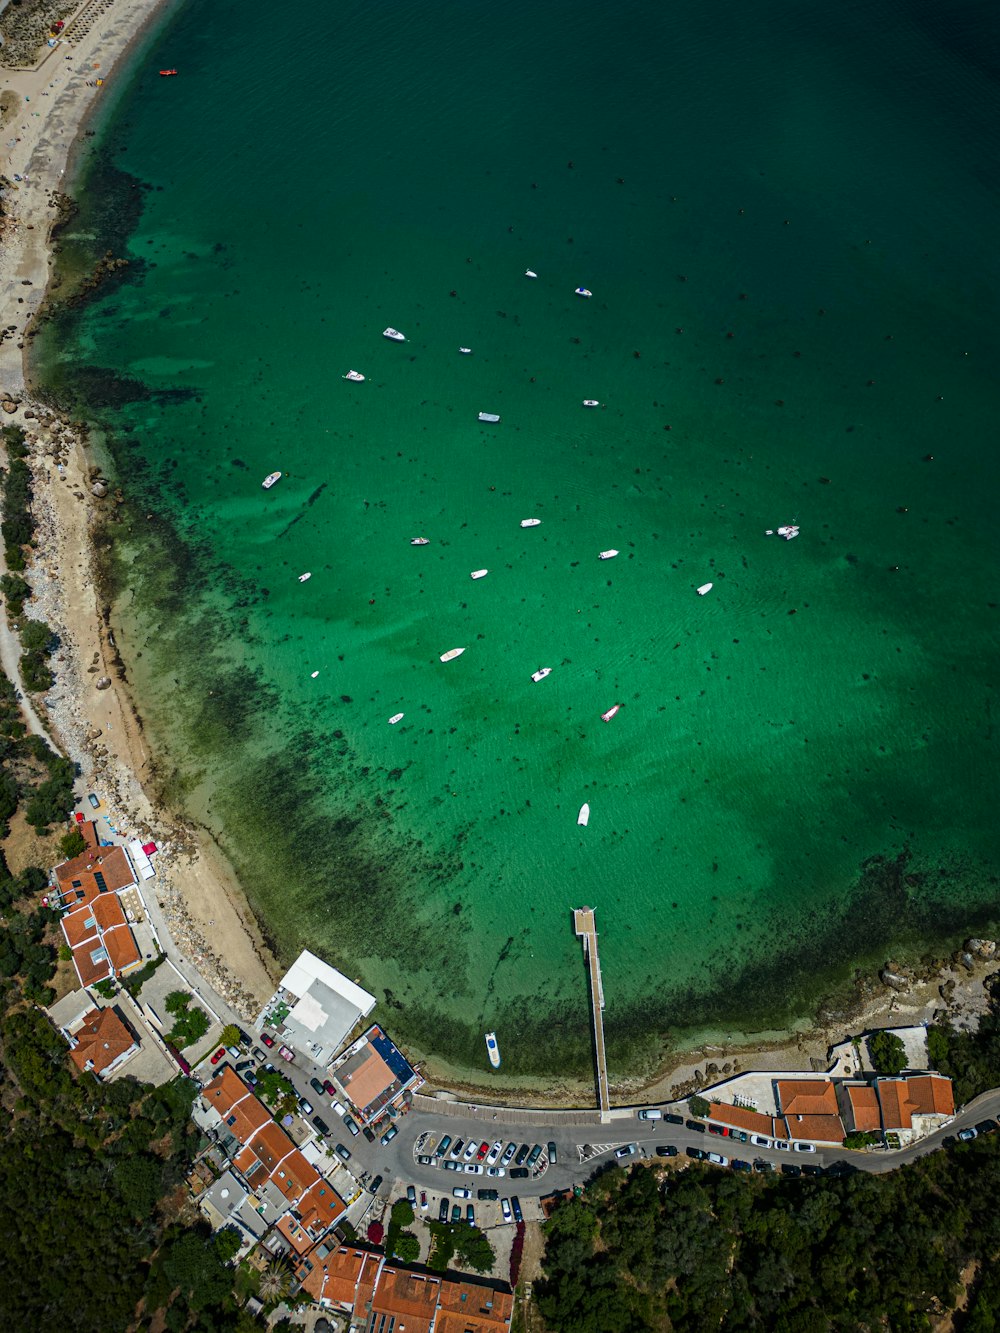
column 586, row 929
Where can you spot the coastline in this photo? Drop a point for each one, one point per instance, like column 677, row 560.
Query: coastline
column 102, row 731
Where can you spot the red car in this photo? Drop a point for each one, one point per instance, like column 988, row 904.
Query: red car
column 721, row 1130
column 483, row 1150
column 328, row 1088
column 218, row 1055
column 268, row 1041
column 285, row 1053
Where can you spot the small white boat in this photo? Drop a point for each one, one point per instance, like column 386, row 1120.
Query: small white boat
column 705, row 587
column 270, row 479
column 608, row 555
column 489, row 416
column 583, row 291
column 583, row 818
column 466, row 351
column 420, row 541
column 536, row 676
column 393, row 335
column 492, row 1049
column 606, row 717
column 591, row 402
column 451, row 654
column 356, row 376
column 304, row 578
column 530, row 273
column 315, row 674
column 479, row 573
column 530, row 522
column 396, row 717
column 789, row 531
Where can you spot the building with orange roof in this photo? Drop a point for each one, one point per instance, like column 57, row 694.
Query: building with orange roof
column 810, row 1109
column 927, row 1099
column 225, row 1091
column 293, row 1175
column 98, row 934
column 96, row 871
column 860, row 1106
column 471, row 1307
column 374, row 1074
column 263, row 1154
column 100, row 1043
column 738, row 1117
column 409, row 1297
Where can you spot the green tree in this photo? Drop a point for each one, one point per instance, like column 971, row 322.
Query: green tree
column 402, row 1213
column 698, row 1106
column 72, row 844
column 886, row 1052
column 474, row 1249
column 230, row 1035
column 407, row 1248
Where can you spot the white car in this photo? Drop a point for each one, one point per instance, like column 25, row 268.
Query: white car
column 496, row 1171
column 473, row 1169
column 782, row 1145
column 494, row 1152
column 759, row 1141
column 462, row 1194
column 505, row 1209
column 718, row 1159
column 471, row 1149
column 805, row 1147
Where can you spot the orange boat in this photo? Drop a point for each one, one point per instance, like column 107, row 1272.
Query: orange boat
column 166, row 73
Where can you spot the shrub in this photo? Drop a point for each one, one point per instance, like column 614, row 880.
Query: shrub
column 72, row 844
column 886, row 1052
column 698, row 1106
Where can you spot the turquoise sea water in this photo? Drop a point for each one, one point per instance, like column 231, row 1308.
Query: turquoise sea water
column 784, row 216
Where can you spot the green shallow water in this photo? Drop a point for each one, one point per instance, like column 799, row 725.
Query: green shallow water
column 783, row 216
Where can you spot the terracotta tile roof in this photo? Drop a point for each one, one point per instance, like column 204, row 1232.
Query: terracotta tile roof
column 344, row 1274
column 411, row 1297
column 122, row 949
column 864, row 1105
column 247, row 1118
column 320, row 1207
column 819, row 1128
column 365, row 1077
column 270, row 1146
column 101, row 1040
column 250, row 1166
column 100, row 938
column 738, row 1117
column 296, row 1234
column 225, row 1090
column 78, row 879
column 903, row 1098
column 293, row 1175
column 806, row 1096
column 468, row 1306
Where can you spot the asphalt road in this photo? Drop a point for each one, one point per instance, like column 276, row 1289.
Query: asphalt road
column 580, row 1148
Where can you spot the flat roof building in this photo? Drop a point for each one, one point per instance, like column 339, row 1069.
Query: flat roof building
column 316, row 1008
column 374, row 1074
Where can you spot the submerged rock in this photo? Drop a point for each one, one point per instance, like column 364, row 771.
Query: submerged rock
column 985, row 949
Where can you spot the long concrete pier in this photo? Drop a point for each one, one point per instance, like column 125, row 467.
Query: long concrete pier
column 586, row 929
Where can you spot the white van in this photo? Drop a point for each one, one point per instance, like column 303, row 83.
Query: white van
column 651, row 1113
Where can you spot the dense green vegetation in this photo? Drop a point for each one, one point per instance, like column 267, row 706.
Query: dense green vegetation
column 706, row 1249
column 16, row 522
column 190, row 1022
column 458, row 1239
column 887, row 1053
column 970, row 1059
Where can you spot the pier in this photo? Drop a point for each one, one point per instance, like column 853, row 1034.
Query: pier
column 586, row 929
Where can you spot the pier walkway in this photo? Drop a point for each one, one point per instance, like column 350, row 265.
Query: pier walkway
column 586, row 928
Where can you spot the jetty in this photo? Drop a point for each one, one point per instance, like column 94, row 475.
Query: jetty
column 586, row 928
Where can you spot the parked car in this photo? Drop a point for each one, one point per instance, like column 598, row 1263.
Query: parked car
column 522, row 1153
column 505, row 1209
column 650, row 1113
column 626, row 1150
column 250, row 1080
column 305, row 1106
column 457, row 1147
column 470, row 1214
column 328, row 1088
column 424, row 1160
column 812, row 1170
column 534, row 1155
column 218, row 1055
column 717, row 1159
column 92, row 798
column 443, row 1211
column 519, row 1173
column 368, row 1132
column 515, row 1204
column 666, row 1150
column 805, row 1147
column 697, row 1125
column 483, row 1150
column 986, row 1127
column 342, row 1152
column 473, row 1169
column 423, row 1200
column 759, row 1141
column 494, row 1152
column 487, row 1194
column 739, row 1165
column 321, row 1124
column 790, row 1169
column 317, row 1086
column 496, row 1171
column 234, row 1051
column 452, row 1166
column 389, row 1135
column 459, row 1192
column 471, row 1149
column 456, row 1213
column 553, row 1154
column 740, row 1135
column 374, row 1186
column 508, row 1153
column 967, row 1135
column 670, row 1119
column 411, row 1194
column 258, row 1055
column 762, row 1167
column 267, row 1040
column 782, row 1145
column 697, row 1154
column 444, row 1145
column 721, row 1130
column 349, row 1124
column 285, row 1053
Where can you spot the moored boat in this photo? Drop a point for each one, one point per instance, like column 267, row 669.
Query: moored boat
column 451, row 654
column 492, row 1049
column 479, row 573
column 789, row 531
column 167, row 73
column 420, row 541
column 583, row 291
column 465, row 350
column 606, row 717
column 530, row 273
column 489, row 416
column 356, row 376
column 304, row 578
column 705, row 587
column 270, row 479
column 583, row 817
column 608, row 555
column 396, row 717
column 530, row 522
column 591, row 402
column 393, row 335
column 541, row 674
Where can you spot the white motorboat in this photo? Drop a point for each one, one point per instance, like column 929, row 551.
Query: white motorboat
column 608, row 555
column 451, row 654
column 536, row 676
column 591, row 402
column 492, row 1049
column 356, row 376
column 705, row 587
column 530, row 273
column 270, row 479
column 315, row 674
column 583, row 818
column 789, row 531
column 606, row 717
column 530, row 522
column 396, row 717
column 304, row 578
column 583, row 291
column 420, row 541
column 489, row 416
column 465, row 350
column 479, row 573
column 393, row 335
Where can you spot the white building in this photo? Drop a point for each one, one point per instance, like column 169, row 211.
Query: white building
column 315, row 1008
